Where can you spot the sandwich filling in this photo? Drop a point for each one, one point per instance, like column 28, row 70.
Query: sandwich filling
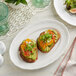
column 28, row 49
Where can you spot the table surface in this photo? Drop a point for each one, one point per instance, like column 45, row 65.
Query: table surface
column 9, row 69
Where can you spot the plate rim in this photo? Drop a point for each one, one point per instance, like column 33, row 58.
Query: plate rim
column 49, row 62
column 61, row 16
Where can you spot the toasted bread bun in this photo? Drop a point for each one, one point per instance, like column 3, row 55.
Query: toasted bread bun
column 53, row 32
column 28, row 51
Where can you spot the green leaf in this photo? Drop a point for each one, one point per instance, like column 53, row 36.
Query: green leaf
column 23, row 1
column 10, row 1
column 16, row 1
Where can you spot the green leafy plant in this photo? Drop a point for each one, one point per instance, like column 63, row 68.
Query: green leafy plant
column 70, row 4
column 16, row 1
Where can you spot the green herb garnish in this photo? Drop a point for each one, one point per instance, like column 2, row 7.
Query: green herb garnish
column 46, row 36
column 28, row 47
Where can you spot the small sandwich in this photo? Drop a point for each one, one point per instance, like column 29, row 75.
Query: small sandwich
column 71, row 5
column 47, row 40
column 28, row 51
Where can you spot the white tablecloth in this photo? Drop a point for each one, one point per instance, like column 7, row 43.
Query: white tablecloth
column 9, row 69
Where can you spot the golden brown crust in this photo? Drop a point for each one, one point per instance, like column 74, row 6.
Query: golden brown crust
column 51, row 46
